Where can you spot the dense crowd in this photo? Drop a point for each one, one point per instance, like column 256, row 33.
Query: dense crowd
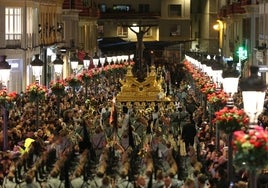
column 98, row 142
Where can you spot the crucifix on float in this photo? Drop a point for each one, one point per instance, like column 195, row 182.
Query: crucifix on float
column 140, row 46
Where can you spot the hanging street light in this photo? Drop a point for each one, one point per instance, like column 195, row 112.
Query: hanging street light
column 102, row 61
column 74, row 63
column 230, row 78
column 86, row 61
column 58, row 64
column 96, row 60
column 37, row 68
column 4, row 71
column 253, row 93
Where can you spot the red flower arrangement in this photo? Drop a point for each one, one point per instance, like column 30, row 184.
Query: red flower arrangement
column 230, row 120
column 58, row 87
column 7, row 98
column 36, row 91
column 73, row 81
column 217, row 98
column 251, row 148
column 86, row 75
column 208, row 88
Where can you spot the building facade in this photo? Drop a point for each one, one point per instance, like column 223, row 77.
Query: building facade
column 139, row 21
column 44, row 28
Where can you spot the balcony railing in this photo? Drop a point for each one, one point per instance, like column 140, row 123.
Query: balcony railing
column 129, row 15
column 13, row 40
column 90, row 12
column 234, row 8
column 247, row 2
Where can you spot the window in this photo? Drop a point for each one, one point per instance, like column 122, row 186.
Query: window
column 174, row 11
column 144, row 8
column 102, row 8
column 100, row 30
column 13, row 23
column 175, row 30
column 149, row 33
column 122, row 31
column 121, row 8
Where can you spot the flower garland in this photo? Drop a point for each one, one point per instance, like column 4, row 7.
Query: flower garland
column 251, row 148
column 58, row 87
column 230, row 120
column 36, row 91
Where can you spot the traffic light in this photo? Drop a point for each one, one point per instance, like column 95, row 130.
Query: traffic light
column 242, row 53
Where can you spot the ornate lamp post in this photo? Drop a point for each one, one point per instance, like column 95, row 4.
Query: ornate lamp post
column 58, row 63
column 230, row 77
column 37, row 67
column 86, row 61
column 4, row 73
column 253, row 93
column 74, row 63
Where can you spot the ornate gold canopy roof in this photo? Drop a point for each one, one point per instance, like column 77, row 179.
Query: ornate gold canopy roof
column 148, row 90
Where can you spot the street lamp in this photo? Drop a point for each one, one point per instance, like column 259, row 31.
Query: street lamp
column 253, row 93
column 4, row 71
column 58, row 63
column 74, row 63
column 219, row 27
column 102, row 61
column 96, row 60
column 4, row 75
column 131, row 57
column 109, row 59
column 86, row 61
column 114, row 59
column 37, row 67
column 230, row 77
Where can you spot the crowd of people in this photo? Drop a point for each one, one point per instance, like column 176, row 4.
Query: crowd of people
column 98, row 142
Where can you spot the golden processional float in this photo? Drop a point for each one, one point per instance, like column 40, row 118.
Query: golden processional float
column 144, row 95
column 150, row 90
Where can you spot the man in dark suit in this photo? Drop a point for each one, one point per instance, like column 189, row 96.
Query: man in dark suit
column 188, row 134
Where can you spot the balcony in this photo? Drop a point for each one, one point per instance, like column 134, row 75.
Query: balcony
column 13, row 41
column 232, row 9
column 90, row 12
column 247, row 2
column 235, row 8
column 129, row 15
